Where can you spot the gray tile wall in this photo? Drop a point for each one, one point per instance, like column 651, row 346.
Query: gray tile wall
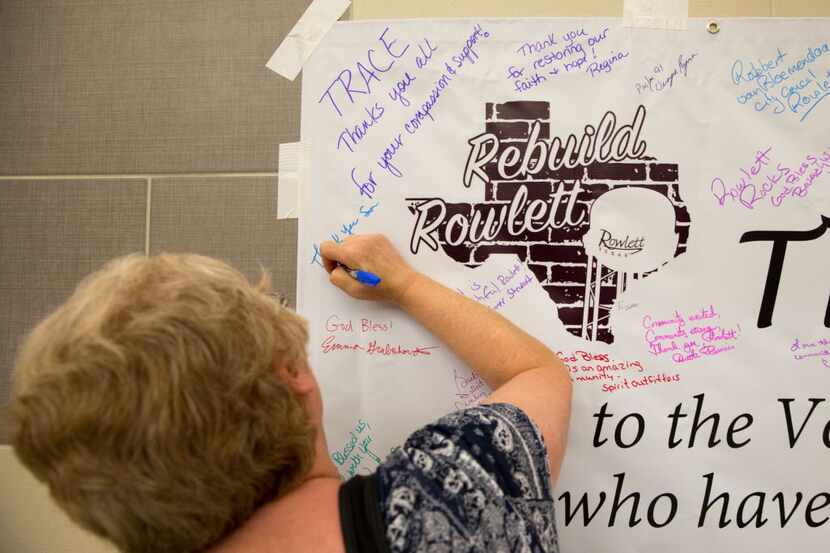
column 103, row 100
column 232, row 219
column 115, row 86
column 53, row 233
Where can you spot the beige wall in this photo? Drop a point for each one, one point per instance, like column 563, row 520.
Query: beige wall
column 29, row 521
column 377, row 9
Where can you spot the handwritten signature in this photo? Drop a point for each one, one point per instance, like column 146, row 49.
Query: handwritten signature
column 330, row 344
column 777, row 87
column 659, row 80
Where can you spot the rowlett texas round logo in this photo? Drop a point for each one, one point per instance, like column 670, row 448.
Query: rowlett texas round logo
column 632, row 230
column 620, row 246
column 586, row 213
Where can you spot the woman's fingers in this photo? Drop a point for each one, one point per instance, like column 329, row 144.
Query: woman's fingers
column 333, row 254
column 372, row 253
column 340, row 278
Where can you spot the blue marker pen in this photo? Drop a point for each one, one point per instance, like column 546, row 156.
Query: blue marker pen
column 363, row 277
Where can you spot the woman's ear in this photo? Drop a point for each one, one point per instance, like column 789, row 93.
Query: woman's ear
column 298, row 378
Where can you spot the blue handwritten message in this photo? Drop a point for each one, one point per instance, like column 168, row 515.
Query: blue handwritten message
column 466, row 56
column 783, row 82
column 550, row 56
column 357, row 80
column 345, row 230
column 364, row 81
column 384, row 79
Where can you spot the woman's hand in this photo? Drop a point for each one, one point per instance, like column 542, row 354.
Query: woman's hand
column 373, row 253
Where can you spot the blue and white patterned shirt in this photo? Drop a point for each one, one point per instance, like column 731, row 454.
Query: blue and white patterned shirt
column 476, row 480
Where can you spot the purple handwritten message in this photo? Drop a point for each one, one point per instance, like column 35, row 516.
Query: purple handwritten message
column 503, row 289
column 547, row 57
column 470, row 389
column 687, row 337
column 359, row 85
column 767, row 179
column 808, row 350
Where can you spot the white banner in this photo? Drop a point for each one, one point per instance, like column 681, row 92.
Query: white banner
column 651, row 204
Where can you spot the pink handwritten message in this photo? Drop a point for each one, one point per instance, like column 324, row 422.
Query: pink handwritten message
column 687, row 337
column 767, row 179
column 807, row 350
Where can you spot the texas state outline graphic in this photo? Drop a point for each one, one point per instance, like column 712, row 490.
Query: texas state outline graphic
column 582, row 289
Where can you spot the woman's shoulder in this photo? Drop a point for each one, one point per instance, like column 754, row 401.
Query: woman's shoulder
column 478, row 472
column 497, row 444
column 284, row 524
column 495, row 437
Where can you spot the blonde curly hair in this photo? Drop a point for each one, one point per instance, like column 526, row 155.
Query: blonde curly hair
column 151, row 406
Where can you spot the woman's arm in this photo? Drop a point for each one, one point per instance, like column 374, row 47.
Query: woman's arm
column 494, row 347
column 518, row 368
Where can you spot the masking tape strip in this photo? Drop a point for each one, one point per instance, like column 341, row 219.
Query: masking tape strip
column 293, row 163
column 303, row 39
column 656, row 14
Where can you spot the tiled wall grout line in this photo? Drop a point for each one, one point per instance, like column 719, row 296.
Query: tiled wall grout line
column 148, row 178
column 147, row 215
column 137, row 176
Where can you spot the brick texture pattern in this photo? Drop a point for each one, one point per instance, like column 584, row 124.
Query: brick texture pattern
column 583, row 290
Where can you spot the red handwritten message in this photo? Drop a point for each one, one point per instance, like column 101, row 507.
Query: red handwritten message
column 358, row 335
column 613, row 374
column 335, row 324
column 687, row 337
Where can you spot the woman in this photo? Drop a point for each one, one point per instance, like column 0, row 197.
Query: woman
column 169, row 406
